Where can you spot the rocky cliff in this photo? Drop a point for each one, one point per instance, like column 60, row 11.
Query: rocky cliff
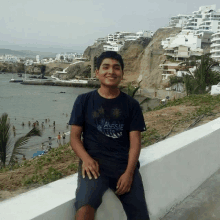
column 12, row 67
column 94, row 50
column 132, row 53
column 152, row 57
column 79, row 70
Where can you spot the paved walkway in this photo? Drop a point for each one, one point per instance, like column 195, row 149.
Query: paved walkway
column 161, row 93
column 202, row 204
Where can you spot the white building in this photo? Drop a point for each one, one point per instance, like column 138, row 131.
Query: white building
column 182, row 52
column 185, row 38
column 179, row 20
column 57, row 57
column 113, row 47
column 37, row 59
column 28, row 62
column 144, row 33
column 101, row 40
column 113, row 37
column 215, row 46
column 206, row 19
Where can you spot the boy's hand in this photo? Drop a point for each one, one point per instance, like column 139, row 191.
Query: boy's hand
column 89, row 167
column 124, row 183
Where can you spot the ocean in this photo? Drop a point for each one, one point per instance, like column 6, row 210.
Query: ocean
column 33, row 103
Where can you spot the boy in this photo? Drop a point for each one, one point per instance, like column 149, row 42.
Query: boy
column 111, row 122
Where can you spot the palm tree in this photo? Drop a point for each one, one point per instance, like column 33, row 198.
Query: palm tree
column 5, row 140
column 203, row 76
column 132, row 91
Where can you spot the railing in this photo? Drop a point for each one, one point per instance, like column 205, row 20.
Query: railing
column 171, row 170
column 215, row 39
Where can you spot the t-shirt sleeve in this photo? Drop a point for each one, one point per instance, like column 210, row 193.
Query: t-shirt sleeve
column 137, row 119
column 77, row 115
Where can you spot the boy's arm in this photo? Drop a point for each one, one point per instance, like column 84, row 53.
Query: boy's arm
column 77, row 144
column 134, row 151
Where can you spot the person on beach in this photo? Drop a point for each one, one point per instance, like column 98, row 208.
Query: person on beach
column 24, row 158
column 111, row 122
column 64, row 136
column 58, row 139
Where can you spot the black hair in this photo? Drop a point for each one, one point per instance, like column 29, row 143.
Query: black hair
column 109, row 54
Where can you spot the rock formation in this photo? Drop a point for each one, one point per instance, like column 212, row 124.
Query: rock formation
column 153, row 55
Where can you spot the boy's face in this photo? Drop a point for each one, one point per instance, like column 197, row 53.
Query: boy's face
column 110, row 73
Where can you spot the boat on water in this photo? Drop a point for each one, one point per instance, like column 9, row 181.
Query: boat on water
column 15, row 80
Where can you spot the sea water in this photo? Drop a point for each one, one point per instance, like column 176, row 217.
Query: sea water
column 33, row 103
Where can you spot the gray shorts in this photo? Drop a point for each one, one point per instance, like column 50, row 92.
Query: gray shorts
column 91, row 191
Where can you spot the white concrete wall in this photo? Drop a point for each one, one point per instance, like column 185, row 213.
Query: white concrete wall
column 170, row 170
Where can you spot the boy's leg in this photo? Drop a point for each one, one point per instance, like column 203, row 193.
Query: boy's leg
column 89, row 192
column 134, row 202
column 85, row 212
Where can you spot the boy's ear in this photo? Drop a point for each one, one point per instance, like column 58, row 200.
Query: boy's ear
column 96, row 72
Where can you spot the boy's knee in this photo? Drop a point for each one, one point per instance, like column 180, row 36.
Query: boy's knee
column 85, row 212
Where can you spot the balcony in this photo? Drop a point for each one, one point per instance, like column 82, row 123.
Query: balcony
column 215, row 45
column 215, row 50
column 215, row 38
column 165, row 167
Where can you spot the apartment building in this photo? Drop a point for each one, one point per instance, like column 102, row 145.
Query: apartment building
column 113, row 47
column 169, row 69
column 113, row 37
column 185, row 38
column 179, row 20
column 101, row 40
column 182, row 52
column 215, row 46
column 206, row 19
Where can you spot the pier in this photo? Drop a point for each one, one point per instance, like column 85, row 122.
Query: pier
column 92, row 84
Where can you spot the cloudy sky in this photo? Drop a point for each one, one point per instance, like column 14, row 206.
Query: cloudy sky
column 73, row 25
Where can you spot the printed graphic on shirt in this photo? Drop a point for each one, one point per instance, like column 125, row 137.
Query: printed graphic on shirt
column 102, row 120
column 96, row 114
column 116, row 112
column 113, row 130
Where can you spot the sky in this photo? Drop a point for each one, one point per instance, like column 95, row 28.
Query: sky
column 73, row 25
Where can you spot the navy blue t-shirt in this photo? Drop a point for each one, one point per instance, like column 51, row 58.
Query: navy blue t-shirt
column 106, row 124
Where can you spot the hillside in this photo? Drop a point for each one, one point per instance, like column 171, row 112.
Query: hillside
column 162, row 122
column 153, row 56
column 132, row 53
column 27, row 53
